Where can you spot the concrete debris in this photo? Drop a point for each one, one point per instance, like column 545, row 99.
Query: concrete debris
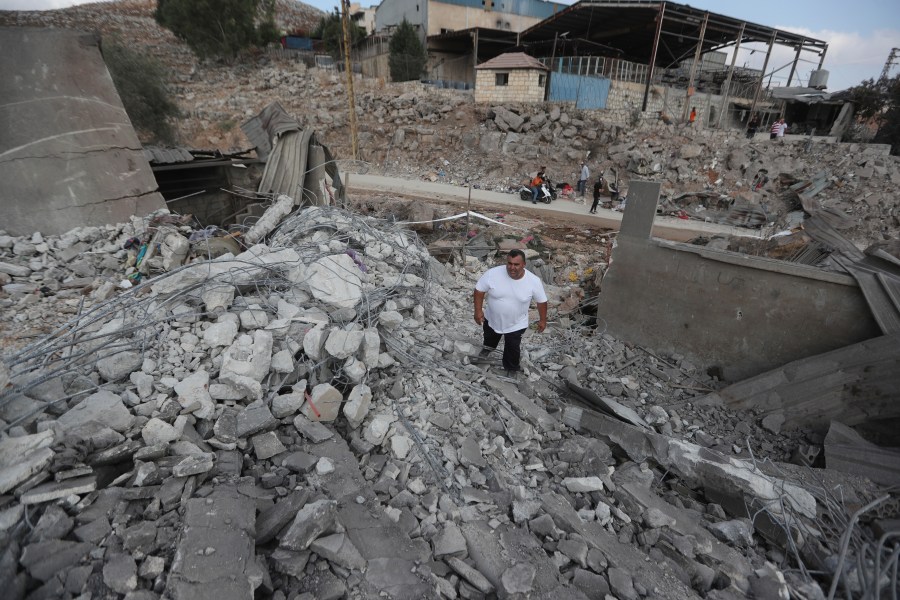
column 307, row 419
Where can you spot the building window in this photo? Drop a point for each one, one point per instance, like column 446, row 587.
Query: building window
column 541, row 80
column 501, row 79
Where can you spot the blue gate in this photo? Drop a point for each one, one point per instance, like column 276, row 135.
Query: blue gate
column 586, row 92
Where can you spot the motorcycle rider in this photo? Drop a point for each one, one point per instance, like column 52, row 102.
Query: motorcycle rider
column 536, row 184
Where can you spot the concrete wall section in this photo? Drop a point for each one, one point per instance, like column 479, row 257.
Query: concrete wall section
column 742, row 314
column 538, row 9
column 392, row 12
column 626, row 97
column 524, row 85
column 452, row 17
column 68, row 154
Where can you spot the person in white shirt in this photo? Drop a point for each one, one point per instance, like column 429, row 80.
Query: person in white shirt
column 583, row 178
column 509, row 291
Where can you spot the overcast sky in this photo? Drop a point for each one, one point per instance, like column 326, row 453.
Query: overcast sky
column 860, row 33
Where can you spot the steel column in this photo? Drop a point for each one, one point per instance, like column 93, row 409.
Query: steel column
column 659, row 22
column 726, row 89
column 822, row 56
column 552, row 66
column 762, row 74
column 794, row 64
column 697, row 54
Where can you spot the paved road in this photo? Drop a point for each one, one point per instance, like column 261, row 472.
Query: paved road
column 669, row 228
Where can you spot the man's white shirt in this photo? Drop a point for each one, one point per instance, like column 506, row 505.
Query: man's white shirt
column 508, row 299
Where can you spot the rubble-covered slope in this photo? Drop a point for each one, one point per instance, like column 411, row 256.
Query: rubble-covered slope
column 309, row 419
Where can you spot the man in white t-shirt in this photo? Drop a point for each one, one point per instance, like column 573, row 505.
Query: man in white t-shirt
column 509, row 291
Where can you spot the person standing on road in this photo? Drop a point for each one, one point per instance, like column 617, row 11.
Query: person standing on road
column 583, row 178
column 693, row 116
column 598, row 189
column 509, row 291
column 778, row 129
column 752, row 126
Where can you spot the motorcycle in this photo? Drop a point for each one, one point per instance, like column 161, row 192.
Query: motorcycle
column 546, row 194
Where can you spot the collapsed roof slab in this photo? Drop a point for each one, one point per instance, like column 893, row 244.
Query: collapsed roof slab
column 739, row 314
column 68, row 153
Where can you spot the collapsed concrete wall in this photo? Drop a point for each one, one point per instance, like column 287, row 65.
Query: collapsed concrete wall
column 68, row 153
column 738, row 313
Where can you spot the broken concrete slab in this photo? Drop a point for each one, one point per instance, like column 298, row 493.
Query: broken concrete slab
column 271, row 521
column 102, row 407
column 22, row 457
column 334, row 280
column 49, row 492
column 339, row 549
column 309, row 523
column 44, row 560
column 215, row 556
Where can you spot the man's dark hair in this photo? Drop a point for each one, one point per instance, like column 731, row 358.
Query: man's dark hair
column 517, row 254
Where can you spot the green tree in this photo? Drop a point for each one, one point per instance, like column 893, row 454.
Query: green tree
column 878, row 103
column 218, row 28
column 407, row 55
column 331, row 32
column 266, row 29
column 140, row 81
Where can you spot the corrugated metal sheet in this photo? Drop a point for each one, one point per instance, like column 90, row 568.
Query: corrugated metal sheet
column 271, row 122
column 157, row 155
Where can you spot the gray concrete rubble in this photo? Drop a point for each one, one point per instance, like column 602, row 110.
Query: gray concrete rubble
column 311, row 418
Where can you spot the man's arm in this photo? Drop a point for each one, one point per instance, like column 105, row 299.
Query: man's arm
column 542, row 313
column 479, row 313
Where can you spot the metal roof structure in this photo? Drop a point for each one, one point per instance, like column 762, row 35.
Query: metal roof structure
column 633, row 26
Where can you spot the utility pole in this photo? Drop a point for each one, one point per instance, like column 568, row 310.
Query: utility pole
column 351, row 102
column 892, row 57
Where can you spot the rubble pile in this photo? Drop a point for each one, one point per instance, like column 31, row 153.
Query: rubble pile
column 309, row 418
column 441, row 135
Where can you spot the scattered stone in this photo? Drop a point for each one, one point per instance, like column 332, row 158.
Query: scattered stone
column 254, row 418
column 583, row 484
column 312, row 430
column 449, row 542
column 119, row 365
column 339, row 549
column 120, row 573
column 518, row 579
column 267, row 445
column 103, row 407
column 311, row 521
column 324, row 403
column 193, row 465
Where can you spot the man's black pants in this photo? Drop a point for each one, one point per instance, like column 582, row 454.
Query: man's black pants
column 512, row 347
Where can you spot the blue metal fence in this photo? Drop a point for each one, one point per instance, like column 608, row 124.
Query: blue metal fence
column 586, row 92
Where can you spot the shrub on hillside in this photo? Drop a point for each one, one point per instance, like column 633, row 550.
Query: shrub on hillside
column 407, row 55
column 140, row 81
column 218, row 28
column 331, row 32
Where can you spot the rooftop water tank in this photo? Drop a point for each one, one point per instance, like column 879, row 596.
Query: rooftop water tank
column 818, row 79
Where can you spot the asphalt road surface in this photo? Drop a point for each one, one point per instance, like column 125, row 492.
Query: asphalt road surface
column 562, row 210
